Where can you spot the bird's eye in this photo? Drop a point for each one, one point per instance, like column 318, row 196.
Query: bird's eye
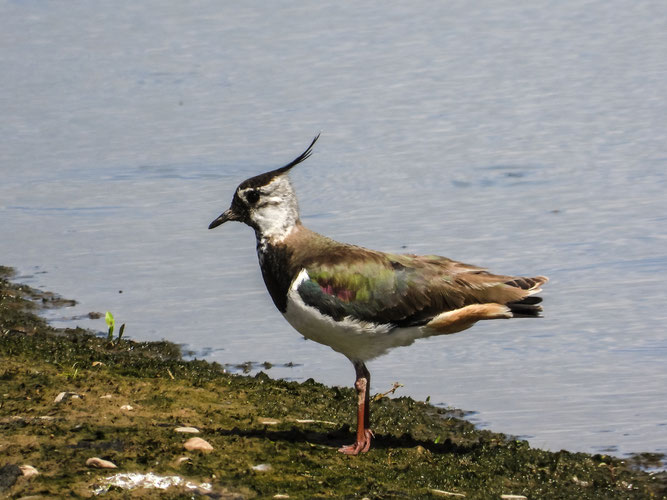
column 252, row 197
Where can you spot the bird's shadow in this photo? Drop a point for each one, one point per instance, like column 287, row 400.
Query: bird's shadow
column 343, row 436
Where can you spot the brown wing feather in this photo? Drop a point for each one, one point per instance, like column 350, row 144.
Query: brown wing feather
column 461, row 284
column 401, row 289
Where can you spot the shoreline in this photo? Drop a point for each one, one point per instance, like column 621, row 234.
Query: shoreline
column 124, row 401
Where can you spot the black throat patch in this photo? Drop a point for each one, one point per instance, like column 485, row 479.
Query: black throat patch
column 275, row 263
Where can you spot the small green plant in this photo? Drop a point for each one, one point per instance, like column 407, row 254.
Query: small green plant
column 111, row 322
column 70, row 373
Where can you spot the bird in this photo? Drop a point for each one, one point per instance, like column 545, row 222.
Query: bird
column 362, row 302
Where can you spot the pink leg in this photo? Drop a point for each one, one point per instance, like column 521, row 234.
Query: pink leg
column 364, row 433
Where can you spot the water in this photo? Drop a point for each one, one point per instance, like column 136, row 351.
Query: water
column 526, row 138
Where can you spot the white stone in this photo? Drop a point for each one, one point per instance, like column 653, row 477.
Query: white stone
column 197, row 443
column 262, row 467
column 99, row 463
column 268, row 421
column 187, row 430
column 311, row 421
column 28, row 470
column 443, row 493
column 65, row 395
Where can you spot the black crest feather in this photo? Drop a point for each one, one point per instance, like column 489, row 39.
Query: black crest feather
column 304, row 156
column 263, row 179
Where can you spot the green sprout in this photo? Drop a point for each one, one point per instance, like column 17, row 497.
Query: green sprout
column 69, row 373
column 111, row 323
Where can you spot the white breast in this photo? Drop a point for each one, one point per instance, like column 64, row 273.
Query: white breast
column 358, row 340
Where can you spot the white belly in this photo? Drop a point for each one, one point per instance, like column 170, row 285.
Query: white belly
column 358, row 340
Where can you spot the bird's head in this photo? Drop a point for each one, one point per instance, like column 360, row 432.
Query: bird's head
column 266, row 202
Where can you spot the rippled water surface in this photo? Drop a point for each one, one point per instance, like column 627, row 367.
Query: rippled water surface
column 527, row 138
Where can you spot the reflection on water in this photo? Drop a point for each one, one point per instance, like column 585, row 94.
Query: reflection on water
column 526, row 138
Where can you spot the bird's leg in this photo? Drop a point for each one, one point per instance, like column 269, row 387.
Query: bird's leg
column 364, row 433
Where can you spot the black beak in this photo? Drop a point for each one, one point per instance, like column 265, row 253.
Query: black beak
column 224, row 217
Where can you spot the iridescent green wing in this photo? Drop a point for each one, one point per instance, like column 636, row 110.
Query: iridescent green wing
column 404, row 290
column 380, row 288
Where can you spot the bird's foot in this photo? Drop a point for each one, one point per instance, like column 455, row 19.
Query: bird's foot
column 360, row 446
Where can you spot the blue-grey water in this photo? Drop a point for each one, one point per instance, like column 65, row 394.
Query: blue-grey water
column 530, row 138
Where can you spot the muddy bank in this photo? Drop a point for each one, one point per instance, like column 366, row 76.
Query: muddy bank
column 124, row 400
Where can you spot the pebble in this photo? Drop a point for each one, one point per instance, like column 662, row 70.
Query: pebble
column 311, row 421
column 280, row 495
column 513, row 497
column 65, row 395
column 262, row 467
column 444, row 493
column 269, row 421
column 106, row 396
column 28, row 470
column 197, row 444
column 127, row 407
column 187, row 430
column 99, row 463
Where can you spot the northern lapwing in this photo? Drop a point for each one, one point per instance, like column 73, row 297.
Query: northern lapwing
column 362, row 302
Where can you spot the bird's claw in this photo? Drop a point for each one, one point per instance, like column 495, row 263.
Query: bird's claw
column 360, row 446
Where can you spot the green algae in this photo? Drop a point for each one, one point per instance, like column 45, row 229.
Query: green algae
column 295, row 428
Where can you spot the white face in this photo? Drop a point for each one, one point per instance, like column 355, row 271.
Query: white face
column 273, row 208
